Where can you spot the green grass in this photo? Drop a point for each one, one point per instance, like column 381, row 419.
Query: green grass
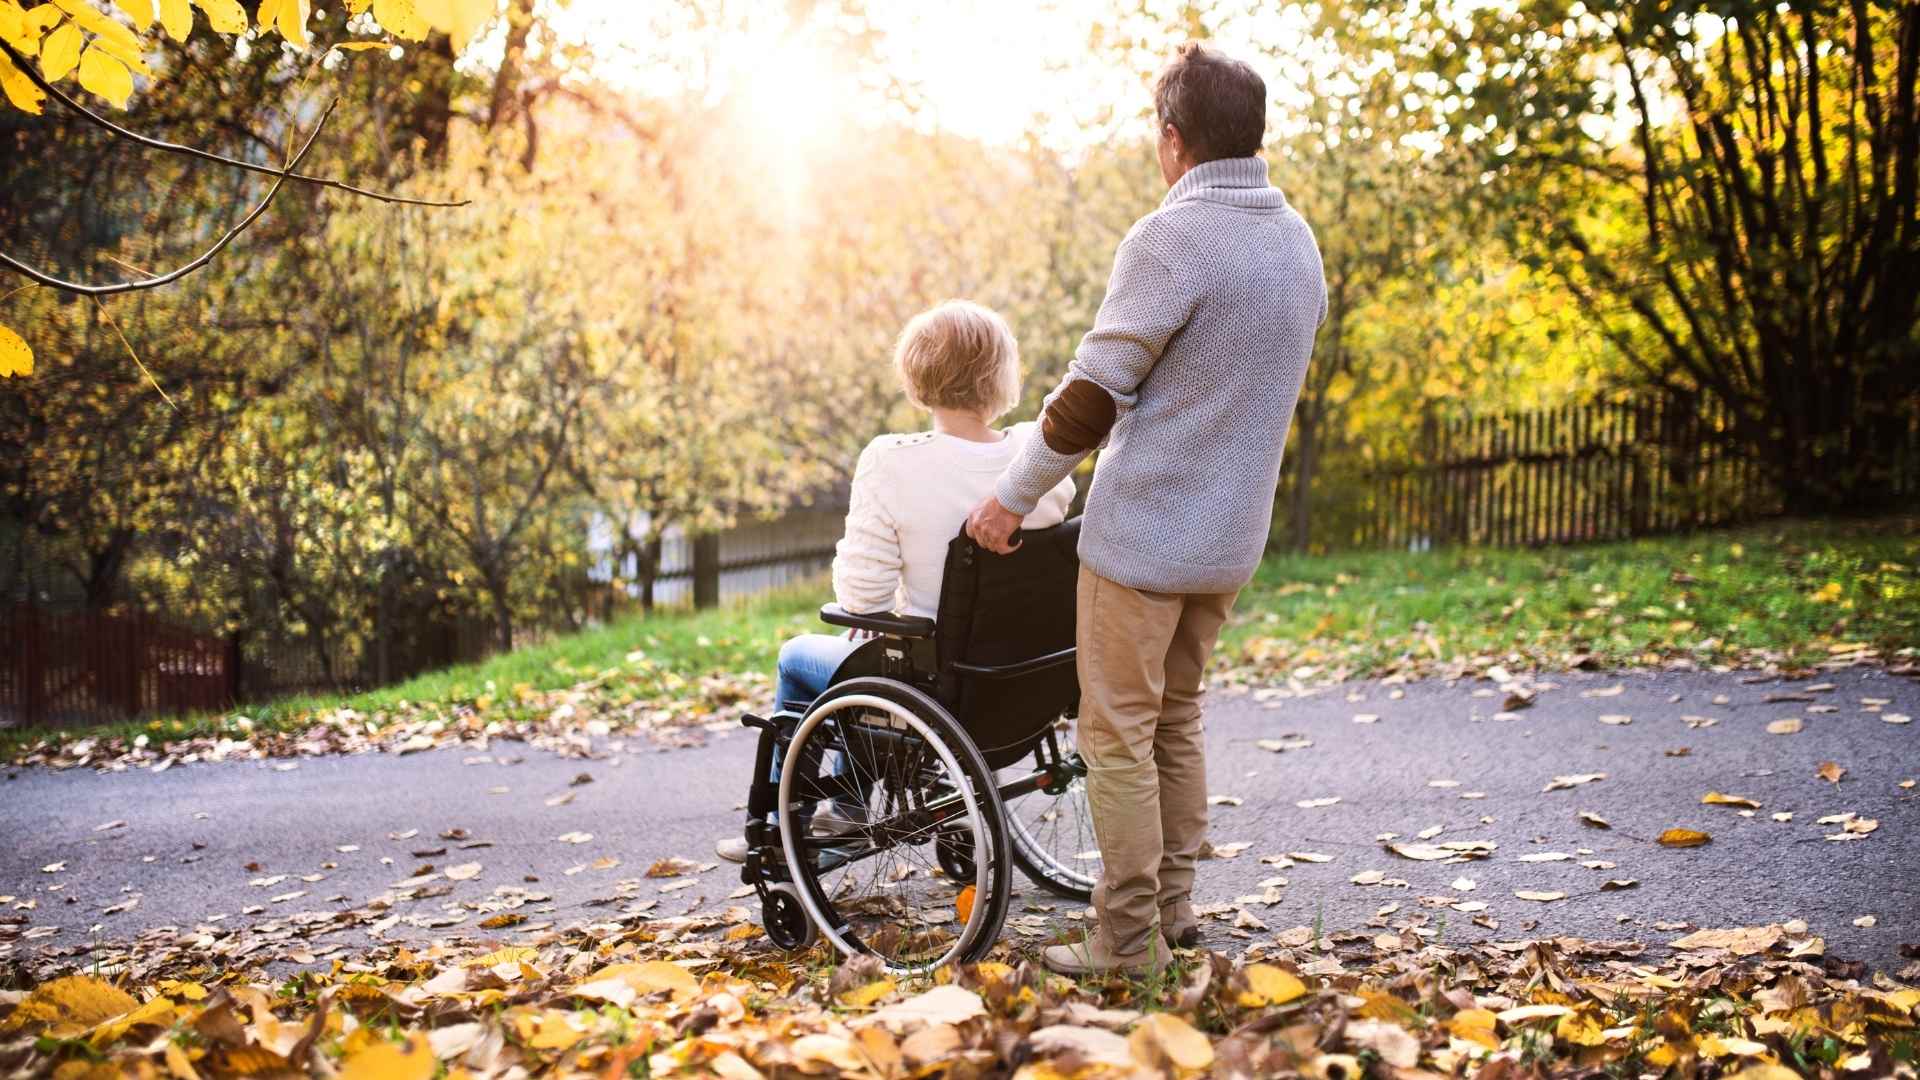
column 1787, row 592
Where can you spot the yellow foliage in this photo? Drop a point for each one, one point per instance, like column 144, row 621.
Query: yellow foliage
column 412, row 1060
column 287, row 16
column 106, row 76
column 1475, row 1026
column 1268, row 985
column 109, row 58
column 68, row 1006
column 1582, row 1027
column 1163, row 1039
column 16, row 357
column 225, row 16
column 60, row 51
column 862, row 996
column 176, row 17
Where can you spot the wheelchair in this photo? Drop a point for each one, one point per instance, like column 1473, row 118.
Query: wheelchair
column 944, row 749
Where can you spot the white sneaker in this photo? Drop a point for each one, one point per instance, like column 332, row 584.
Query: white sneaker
column 836, row 819
column 732, row 849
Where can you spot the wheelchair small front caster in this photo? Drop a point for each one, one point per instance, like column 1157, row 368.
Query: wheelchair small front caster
column 786, row 920
column 954, row 852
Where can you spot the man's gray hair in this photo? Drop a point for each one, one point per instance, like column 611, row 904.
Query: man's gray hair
column 1219, row 104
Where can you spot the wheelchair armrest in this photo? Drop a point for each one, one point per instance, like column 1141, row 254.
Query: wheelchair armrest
column 885, row 622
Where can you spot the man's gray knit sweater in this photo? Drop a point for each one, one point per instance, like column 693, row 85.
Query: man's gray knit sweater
column 1202, row 342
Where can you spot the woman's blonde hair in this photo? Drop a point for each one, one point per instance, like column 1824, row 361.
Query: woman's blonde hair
column 959, row 355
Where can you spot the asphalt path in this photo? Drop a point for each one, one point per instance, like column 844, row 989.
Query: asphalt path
column 237, row 842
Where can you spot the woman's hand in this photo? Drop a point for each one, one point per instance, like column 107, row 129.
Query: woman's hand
column 992, row 525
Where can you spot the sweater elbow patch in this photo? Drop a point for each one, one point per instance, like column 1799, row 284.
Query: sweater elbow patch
column 1078, row 418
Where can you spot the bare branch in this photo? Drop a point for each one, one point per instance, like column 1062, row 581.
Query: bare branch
column 33, row 73
column 205, row 257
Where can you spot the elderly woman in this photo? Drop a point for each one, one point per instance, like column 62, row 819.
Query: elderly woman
column 912, row 492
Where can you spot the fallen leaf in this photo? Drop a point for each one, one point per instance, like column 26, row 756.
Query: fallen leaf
column 1789, row 726
column 1682, row 838
column 948, row 1004
column 1314, row 804
column 1542, row 897
column 1561, row 783
column 464, row 871
column 1831, row 771
column 1740, row 940
column 1715, row 798
column 386, row 1060
column 1269, row 985
column 1593, row 820
column 1616, row 719
column 1162, row 1039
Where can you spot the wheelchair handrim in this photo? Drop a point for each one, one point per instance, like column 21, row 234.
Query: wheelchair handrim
column 791, row 767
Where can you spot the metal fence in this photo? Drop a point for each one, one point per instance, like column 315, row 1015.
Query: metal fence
column 88, row 666
column 1570, row 474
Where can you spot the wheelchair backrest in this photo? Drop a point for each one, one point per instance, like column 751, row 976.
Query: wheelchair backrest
column 1000, row 611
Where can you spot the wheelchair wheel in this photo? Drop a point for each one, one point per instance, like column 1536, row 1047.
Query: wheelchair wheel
column 786, row 920
column 887, row 886
column 1052, row 829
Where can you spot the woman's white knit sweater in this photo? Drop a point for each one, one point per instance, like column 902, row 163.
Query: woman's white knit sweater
column 911, row 494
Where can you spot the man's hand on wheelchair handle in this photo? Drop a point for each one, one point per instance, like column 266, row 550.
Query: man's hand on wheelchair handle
column 992, row 525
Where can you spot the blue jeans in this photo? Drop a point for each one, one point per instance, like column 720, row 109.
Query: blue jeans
column 807, row 664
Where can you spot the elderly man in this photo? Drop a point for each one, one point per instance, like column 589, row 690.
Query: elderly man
column 1188, row 380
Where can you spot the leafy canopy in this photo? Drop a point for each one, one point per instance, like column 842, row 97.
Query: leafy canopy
column 70, row 39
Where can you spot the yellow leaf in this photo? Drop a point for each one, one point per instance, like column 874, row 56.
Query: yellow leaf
column 287, row 16
column 400, row 18
column 1582, row 1027
column 79, row 12
column 412, row 1060
column 963, row 904
column 1165, row 1038
column 650, row 977
column 460, row 20
column 512, row 954
column 1682, row 838
column 68, row 1006
column 177, row 17
column 862, row 996
column 225, row 16
column 140, row 11
column 362, row 46
column 159, row 1011
column 106, row 76
column 27, row 98
column 547, row 1029
column 1475, row 1026
column 1269, row 985
column 1715, row 798
column 60, row 52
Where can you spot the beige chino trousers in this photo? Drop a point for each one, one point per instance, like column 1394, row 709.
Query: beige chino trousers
column 1143, row 659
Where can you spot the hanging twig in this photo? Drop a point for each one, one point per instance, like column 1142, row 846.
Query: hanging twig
column 128, row 345
column 33, row 73
column 281, row 176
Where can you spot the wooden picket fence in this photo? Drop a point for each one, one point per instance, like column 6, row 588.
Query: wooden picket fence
column 1571, row 474
column 90, row 666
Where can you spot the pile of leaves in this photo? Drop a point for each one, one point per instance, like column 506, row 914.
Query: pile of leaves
column 638, row 697
column 711, row 997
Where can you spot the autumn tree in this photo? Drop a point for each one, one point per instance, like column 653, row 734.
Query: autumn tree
column 1729, row 187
